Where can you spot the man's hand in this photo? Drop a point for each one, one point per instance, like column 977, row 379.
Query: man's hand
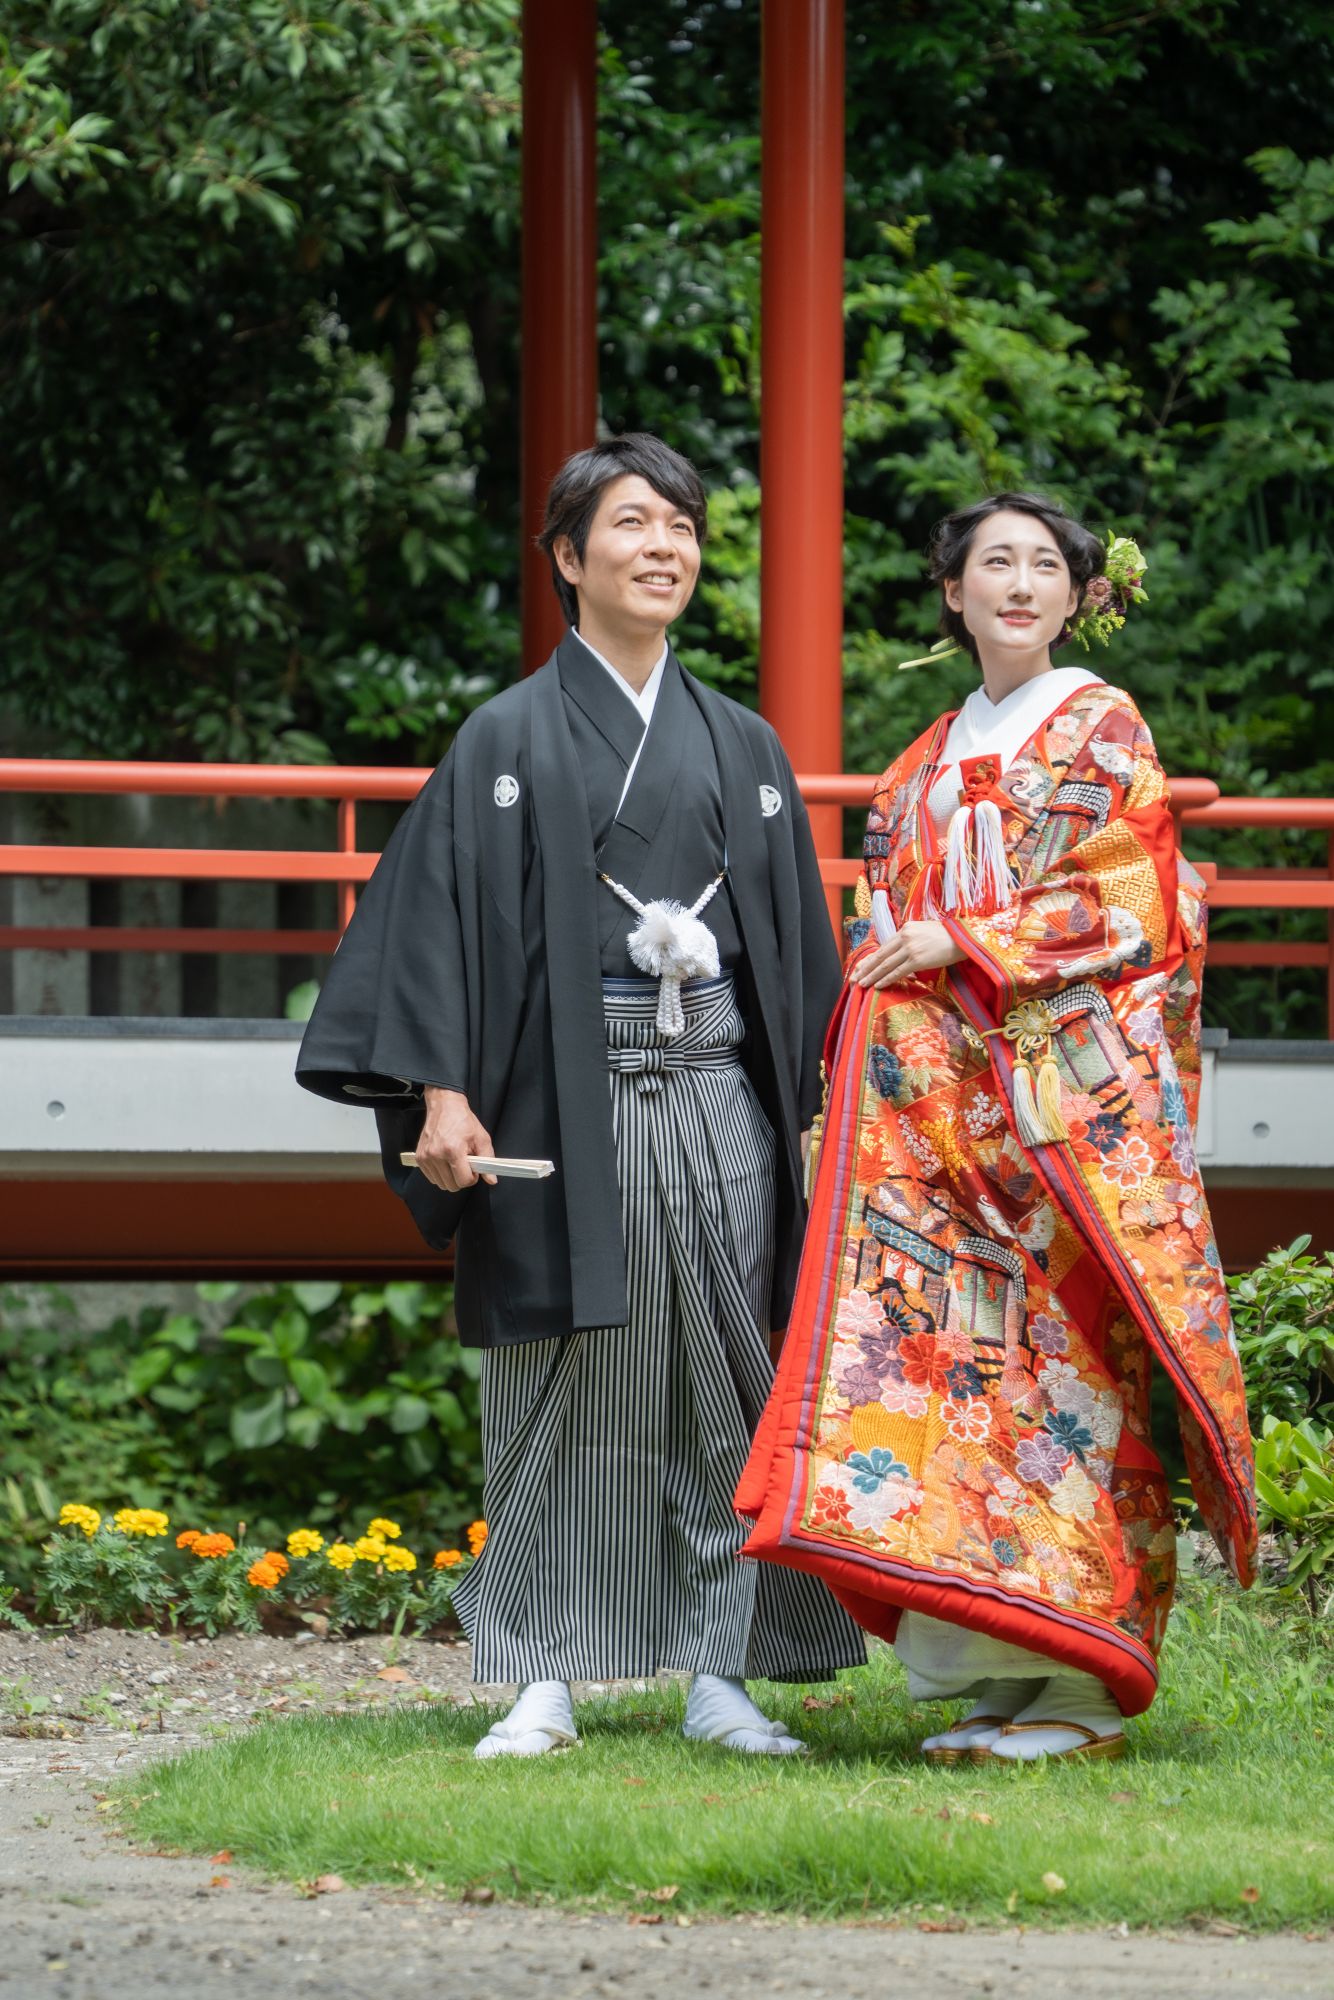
column 450, row 1133
column 921, row 946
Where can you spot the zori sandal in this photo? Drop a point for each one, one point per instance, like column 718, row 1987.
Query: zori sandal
column 958, row 1753
column 1094, row 1746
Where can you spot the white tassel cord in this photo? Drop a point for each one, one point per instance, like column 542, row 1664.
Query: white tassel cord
column 992, row 884
column 672, row 945
column 958, row 885
column 882, row 917
column 977, row 874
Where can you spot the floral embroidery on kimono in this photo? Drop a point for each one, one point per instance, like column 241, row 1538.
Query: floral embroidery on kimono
column 960, row 1422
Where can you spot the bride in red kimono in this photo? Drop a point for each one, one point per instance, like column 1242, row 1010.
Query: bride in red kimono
column 1008, row 1228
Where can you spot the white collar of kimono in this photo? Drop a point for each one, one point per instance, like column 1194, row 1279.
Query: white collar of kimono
column 647, row 696
column 1001, row 728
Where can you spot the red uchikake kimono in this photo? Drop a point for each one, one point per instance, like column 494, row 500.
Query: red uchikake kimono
column 960, row 1420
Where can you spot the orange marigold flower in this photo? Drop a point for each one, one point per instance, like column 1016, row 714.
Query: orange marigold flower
column 477, row 1534
column 447, row 1558
column 189, row 1538
column 263, row 1575
column 215, row 1545
column 276, row 1560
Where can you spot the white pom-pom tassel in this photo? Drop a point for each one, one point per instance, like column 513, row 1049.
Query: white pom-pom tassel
column 993, row 888
column 672, row 945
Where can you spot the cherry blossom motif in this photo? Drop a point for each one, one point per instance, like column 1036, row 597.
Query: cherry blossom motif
column 858, row 1383
column 1145, row 1027
column 981, row 1113
column 1057, row 1375
column 968, row 1419
column 1048, row 1335
column 858, row 1314
column 925, row 1365
column 1041, row 1460
column 829, row 1504
column 1128, row 1164
column 905, row 1401
column 1075, row 1496
column 872, row 1512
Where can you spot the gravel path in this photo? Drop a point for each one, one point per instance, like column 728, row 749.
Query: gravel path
column 83, row 1917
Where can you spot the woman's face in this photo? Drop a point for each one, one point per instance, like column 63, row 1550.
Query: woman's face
column 642, row 560
column 1015, row 593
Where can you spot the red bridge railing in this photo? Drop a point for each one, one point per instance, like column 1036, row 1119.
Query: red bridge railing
column 1195, row 801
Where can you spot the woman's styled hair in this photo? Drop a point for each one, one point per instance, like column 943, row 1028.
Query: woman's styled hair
column 952, row 538
column 578, row 487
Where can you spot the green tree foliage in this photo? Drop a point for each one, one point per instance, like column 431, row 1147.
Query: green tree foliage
column 258, row 346
column 240, row 395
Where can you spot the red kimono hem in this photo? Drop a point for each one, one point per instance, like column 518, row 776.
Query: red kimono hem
column 877, row 1600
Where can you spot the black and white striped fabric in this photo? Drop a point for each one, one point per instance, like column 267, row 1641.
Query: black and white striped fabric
column 612, row 1456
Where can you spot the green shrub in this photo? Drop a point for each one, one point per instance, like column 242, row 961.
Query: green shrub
column 1283, row 1312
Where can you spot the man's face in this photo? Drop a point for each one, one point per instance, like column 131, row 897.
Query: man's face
column 641, row 563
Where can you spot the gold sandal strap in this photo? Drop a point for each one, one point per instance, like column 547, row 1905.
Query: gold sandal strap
column 977, row 1722
column 1080, row 1728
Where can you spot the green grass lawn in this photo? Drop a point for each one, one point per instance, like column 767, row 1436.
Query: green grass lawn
column 1223, row 1809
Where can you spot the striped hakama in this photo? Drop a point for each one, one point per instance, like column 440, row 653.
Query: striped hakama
column 612, row 1455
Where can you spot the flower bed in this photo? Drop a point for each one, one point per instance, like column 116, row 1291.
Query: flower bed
column 124, row 1568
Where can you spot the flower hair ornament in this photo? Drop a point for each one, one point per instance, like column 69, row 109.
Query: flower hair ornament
column 1102, row 610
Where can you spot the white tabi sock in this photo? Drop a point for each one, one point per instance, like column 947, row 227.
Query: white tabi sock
column 720, row 1711
column 541, row 1719
column 1004, row 1698
column 1068, row 1696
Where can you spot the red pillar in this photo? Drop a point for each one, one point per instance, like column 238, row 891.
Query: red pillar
column 801, row 380
column 558, row 399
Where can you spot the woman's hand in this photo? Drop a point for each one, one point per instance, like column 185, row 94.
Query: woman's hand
column 920, row 946
column 450, row 1133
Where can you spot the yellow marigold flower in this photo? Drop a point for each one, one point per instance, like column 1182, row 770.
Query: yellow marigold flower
column 188, row 1538
column 74, row 1515
column 341, row 1556
column 399, row 1559
column 263, row 1575
column 388, row 1531
column 447, row 1559
column 151, row 1522
column 477, row 1534
column 214, row 1545
column 304, row 1542
column 368, row 1548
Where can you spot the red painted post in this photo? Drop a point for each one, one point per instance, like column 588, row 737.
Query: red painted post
column 559, row 393
column 801, row 363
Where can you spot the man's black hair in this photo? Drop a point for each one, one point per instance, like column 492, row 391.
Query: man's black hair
column 578, row 487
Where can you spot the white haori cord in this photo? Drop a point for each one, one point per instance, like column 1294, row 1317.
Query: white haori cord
column 671, row 945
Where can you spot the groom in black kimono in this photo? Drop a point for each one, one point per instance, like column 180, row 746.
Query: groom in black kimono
column 599, row 936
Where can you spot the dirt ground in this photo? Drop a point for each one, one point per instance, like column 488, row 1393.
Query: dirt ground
column 83, row 1917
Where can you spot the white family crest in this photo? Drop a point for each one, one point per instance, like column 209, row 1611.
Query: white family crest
column 507, row 790
column 771, row 801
